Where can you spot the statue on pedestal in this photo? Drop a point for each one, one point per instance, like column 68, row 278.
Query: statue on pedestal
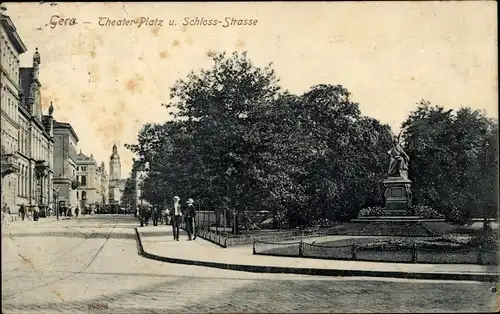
column 398, row 196
column 398, row 166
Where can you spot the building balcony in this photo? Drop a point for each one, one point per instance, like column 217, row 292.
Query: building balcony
column 41, row 168
column 8, row 164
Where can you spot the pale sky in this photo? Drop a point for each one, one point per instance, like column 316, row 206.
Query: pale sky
column 108, row 81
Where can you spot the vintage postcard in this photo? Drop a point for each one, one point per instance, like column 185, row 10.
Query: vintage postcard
column 244, row 157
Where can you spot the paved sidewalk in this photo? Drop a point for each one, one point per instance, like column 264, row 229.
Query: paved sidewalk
column 157, row 243
column 21, row 223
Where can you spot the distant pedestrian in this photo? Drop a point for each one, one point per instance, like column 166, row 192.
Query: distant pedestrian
column 5, row 215
column 35, row 213
column 189, row 218
column 176, row 218
column 77, row 211
column 155, row 215
column 147, row 211
column 22, row 211
column 166, row 216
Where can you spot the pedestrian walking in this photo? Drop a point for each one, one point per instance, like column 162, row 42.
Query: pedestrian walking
column 143, row 215
column 155, row 215
column 77, row 211
column 166, row 216
column 190, row 217
column 35, row 213
column 176, row 218
column 5, row 215
column 22, row 211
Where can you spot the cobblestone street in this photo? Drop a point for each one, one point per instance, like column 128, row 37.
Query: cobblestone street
column 69, row 265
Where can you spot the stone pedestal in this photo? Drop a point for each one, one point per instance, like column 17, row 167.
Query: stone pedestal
column 397, row 195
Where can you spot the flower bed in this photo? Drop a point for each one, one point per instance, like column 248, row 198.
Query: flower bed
column 433, row 244
column 423, row 211
column 401, row 229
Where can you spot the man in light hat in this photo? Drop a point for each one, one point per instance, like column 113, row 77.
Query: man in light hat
column 176, row 217
column 190, row 218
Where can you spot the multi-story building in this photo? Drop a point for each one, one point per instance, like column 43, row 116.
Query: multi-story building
column 65, row 158
column 11, row 47
column 116, row 183
column 27, row 134
column 90, row 189
column 35, row 142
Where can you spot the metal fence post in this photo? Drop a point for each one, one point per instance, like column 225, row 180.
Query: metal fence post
column 414, row 253
column 254, row 247
column 301, row 248
column 353, row 250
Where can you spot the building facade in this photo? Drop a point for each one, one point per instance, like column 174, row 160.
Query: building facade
column 11, row 47
column 90, row 177
column 27, row 134
column 35, row 141
column 116, row 183
column 65, row 161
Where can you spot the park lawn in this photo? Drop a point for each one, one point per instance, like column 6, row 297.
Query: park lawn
column 448, row 228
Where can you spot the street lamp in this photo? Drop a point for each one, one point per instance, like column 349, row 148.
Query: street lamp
column 486, row 162
column 56, row 201
column 143, row 166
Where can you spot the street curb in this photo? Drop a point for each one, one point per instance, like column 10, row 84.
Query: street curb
column 317, row 271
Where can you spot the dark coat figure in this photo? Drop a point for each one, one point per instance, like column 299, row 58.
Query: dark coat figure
column 189, row 218
column 77, row 211
column 22, row 211
column 155, row 215
column 144, row 215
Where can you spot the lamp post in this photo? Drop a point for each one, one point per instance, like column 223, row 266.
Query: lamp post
column 486, row 161
column 56, row 201
column 142, row 168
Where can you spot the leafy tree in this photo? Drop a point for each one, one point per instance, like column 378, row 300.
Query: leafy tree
column 447, row 152
column 128, row 196
column 240, row 142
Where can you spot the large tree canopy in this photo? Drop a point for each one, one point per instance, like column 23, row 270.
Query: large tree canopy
column 240, row 142
column 454, row 160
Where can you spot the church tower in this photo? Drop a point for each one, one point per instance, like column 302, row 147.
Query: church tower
column 115, row 165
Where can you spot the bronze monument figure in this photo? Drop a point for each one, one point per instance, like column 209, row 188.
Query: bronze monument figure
column 398, row 166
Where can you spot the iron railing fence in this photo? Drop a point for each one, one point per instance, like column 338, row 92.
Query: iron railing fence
column 415, row 254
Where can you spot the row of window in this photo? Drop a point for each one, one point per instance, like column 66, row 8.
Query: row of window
column 82, row 180
column 22, row 180
column 22, row 141
column 83, row 194
column 41, row 150
column 10, row 104
column 9, row 60
column 81, row 168
column 9, row 142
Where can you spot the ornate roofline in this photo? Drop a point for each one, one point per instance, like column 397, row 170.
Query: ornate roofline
column 11, row 31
